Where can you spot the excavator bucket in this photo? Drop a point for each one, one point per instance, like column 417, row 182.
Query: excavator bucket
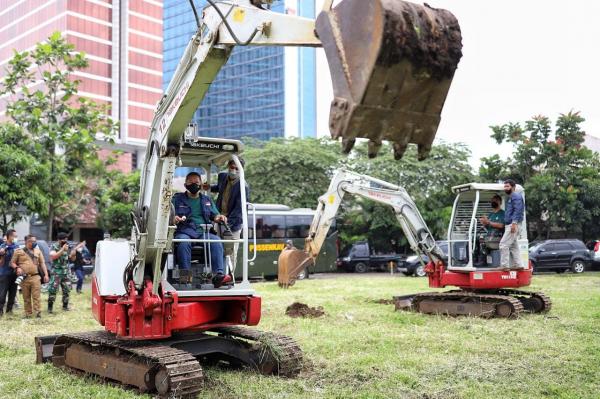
column 391, row 63
column 290, row 263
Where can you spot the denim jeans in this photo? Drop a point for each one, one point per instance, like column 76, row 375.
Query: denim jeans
column 80, row 275
column 184, row 253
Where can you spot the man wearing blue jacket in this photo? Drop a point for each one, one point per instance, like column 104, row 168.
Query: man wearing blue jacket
column 510, row 255
column 192, row 211
column 8, row 288
column 229, row 203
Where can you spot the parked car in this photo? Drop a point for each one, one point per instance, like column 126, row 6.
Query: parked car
column 560, row 256
column 594, row 247
column 414, row 266
column 359, row 258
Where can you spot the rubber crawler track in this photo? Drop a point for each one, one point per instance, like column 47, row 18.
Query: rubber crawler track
column 516, row 305
column 183, row 371
column 547, row 302
column 286, row 351
column 282, row 356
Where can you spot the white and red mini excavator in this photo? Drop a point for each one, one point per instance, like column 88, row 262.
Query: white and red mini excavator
column 391, row 63
column 466, row 260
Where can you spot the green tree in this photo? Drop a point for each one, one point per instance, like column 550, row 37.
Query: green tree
column 428, row 182
column 560, row 175
column 42, row 99
column 297, row 172
column 22, row 176
column 291, row 172
column 119, row 193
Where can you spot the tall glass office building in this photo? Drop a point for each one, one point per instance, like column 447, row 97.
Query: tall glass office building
column 247, row 99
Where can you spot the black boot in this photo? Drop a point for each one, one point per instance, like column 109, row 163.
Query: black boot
column 66, row 306
column 50, row 304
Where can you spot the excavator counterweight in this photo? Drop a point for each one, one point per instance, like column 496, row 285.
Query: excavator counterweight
column 391, row 64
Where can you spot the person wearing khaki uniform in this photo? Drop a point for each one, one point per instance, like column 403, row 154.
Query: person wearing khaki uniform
column 29, row 261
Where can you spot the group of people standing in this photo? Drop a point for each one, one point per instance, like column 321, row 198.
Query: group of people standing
column 26, row 266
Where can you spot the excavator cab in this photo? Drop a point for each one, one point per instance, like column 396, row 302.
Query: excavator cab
column 470, row 246
column 204, row 155
column 391, row 64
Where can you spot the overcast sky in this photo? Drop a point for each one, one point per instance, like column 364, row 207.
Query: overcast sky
column 521, row 58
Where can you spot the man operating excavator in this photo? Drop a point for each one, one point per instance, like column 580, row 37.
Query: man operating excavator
column 193, row 212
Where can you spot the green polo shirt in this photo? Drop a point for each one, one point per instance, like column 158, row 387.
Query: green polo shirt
column 496, row 217
column 197, row 217
column 196, row 207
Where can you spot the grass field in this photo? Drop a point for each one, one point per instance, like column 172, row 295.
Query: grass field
column 361, row 349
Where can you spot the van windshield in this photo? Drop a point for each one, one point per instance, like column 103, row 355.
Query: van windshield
column 346, row 250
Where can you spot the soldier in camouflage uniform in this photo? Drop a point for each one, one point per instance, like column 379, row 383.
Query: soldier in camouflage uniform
column 59, row 253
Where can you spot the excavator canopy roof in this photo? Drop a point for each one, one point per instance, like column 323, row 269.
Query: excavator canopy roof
column 199, row 151
column 481, row 187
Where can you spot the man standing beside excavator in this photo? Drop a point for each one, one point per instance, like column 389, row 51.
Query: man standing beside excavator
column 229, row 203
column 510, row 255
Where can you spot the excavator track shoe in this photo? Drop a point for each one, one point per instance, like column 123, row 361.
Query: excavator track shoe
column 150, row 367
column 533, row 302
column 277, row 354
column 391, row 63
column 171, row 368
column 462, row 303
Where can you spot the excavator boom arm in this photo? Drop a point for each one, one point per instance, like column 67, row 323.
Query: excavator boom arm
column 407, row 111
column 206, row 53
column 292, row 261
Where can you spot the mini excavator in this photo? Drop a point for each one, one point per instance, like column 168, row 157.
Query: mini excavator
column 469, row 263
column 391, row 62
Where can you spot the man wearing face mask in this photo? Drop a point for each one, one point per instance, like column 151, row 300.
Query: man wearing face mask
column 494, row 222
column 494, row 225
column 8, row 288
column 510, row 255
column 192, row 210
column 229, row 202
column 29, row 261
column 60, row 256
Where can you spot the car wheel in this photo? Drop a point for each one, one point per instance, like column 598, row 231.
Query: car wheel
column 361, row 267
column 420, row 271
column 303, row 274
column 578, row 266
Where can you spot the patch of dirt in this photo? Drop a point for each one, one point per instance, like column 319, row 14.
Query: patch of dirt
column 298, row 309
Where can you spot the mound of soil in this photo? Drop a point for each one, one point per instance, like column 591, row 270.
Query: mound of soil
column 298, row 309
